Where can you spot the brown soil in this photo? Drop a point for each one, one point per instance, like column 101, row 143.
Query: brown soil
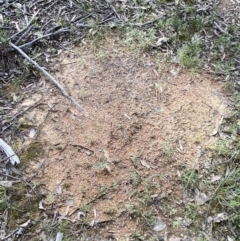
column 148, row 120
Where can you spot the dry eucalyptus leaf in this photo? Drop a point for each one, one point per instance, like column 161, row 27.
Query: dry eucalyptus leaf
column 80, row 214
column 24, row 225
column 175, row 239
column 144, row 163
column 215, row 178
column 230, row 239
column 92, row 223
column 32, row 133
column 40, row 205
column 9, row 152
column 199, row 151
column 161, row 41
column 160, row 225
column 220, row 217
column 200, row 197
column 6, row 183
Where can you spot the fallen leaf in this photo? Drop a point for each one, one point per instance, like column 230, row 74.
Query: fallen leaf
column 160, row 225
column 144, row 163
column 162, row 40
column 220, row 217
column 9, row 152
column 230, row 239
column 175, row 239
column 95, row 213
column 32, row 133
column 199, row 151
column 156, row 73
column 80, row 214
column 200, row 197
column 40, row 205
column 215, row 178
column 6, row 183
column 92, row 223
column 24, row 225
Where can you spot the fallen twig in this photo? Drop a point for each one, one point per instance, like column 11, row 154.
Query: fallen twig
column 83, row 147
column 146, row 23
column 22, row 181
column 221, row 30
column 115, row 12
column 44, row 36
column 24, row 34
column 11, row 234
column 19, row 114
column 9, row 152
column 49, row 76
column 30, row 22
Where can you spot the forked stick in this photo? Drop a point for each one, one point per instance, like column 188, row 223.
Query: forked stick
column 64, row 92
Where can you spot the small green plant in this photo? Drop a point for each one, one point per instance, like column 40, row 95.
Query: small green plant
column 223, row 149
column 134, row 158
column 168, row 151
column 172, row 210
column 50, row 198
column 91, row 140
column 189, row 178
column 158, row 87
column 135, row 179
column 137, row 236
column 140, row 212
column 115, row 185
column 63, row 226
column 3, row 199
column 103, row 188
column 121, row 126
column 139, row 39
column 176, row 223
column 103, row 165
column 82, row 93
column 3, row 37
column 189, row 55
column 102, row 54
column 192, row 213
column 60, row 21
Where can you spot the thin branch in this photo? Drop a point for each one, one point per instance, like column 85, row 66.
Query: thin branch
column 19, row 114
column 146, row 23
column 113, row 8
column 222, row 30
column 54, row 81
column 44, row 36
column 11, row 234
column 24, row 34
column 80, row 18
column 30, row 22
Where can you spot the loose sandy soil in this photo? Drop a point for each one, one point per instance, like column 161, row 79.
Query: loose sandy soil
column 147, row 121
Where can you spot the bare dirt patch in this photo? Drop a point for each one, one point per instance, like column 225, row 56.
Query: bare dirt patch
column 148, row 121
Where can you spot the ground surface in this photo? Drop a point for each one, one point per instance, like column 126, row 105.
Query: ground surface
column 147, row 120
column 139, row 161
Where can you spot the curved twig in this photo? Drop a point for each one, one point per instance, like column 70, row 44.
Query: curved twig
column 54, row 81
column 30, row 22
column 44, row 36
